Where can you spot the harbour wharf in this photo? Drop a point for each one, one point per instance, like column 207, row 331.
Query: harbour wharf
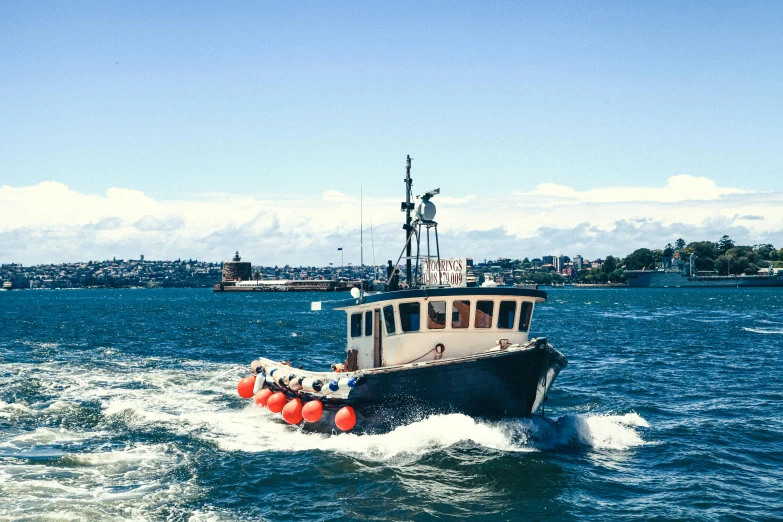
column 286, row 285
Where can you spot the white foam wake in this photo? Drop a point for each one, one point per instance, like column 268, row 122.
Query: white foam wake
column 254, row 430
column 201, row 401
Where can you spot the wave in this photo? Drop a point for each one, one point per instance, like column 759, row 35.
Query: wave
column 123, row 484
column 13, row 409
column 599, row 431
column 31, row 440
column 774, row 331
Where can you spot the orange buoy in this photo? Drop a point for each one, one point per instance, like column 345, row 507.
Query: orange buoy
column 245, row 387
column 312, row 410
column 276, row 402
column 345, row 418
column 262, row 396
column 292, row 412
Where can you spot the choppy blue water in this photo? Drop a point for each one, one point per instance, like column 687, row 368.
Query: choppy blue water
column 121, row 405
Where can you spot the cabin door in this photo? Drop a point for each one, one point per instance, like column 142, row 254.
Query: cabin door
column 377, row 351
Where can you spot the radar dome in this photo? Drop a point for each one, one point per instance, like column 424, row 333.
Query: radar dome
column 426, row 210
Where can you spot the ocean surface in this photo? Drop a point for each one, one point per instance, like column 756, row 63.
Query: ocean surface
column 122, row 405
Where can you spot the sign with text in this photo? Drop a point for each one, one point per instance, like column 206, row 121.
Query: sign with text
column 452, row 272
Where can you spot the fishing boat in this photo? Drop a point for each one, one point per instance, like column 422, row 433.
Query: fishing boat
column 420, row 347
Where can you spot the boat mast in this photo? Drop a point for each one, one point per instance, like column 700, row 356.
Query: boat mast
column 361, row 225
column 407, row 207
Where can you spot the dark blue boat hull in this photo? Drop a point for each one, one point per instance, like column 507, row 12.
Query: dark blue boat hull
column 495, row 385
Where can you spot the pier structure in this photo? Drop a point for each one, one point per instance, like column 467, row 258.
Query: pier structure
column 237, row 277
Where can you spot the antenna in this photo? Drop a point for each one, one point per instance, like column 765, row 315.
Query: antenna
column 372, row 238
column 361, row 224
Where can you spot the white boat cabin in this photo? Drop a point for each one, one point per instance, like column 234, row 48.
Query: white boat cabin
column 409, row 326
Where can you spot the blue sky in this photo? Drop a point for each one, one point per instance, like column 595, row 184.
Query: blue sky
column 184, row 100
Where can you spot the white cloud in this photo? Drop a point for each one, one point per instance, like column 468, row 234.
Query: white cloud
column 335, row 195
column 49, row 222
column 678, row 188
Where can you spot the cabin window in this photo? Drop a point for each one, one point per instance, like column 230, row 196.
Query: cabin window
column 368, row 323
column 436, row 315
column 410, row 317
column 506, row 314
column 388, row 318
column 460, row 314
column 524, row 316
column 356, row 325
column 484, row 314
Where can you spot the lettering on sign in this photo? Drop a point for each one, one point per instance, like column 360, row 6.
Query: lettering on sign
column 451, row 272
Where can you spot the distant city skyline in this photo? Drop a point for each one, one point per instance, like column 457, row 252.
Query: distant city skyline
column 191, row 130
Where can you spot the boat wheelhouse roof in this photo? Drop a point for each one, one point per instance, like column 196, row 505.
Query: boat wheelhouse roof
column 537, row 296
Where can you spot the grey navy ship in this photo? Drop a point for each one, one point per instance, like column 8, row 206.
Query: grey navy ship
column 685, row 275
